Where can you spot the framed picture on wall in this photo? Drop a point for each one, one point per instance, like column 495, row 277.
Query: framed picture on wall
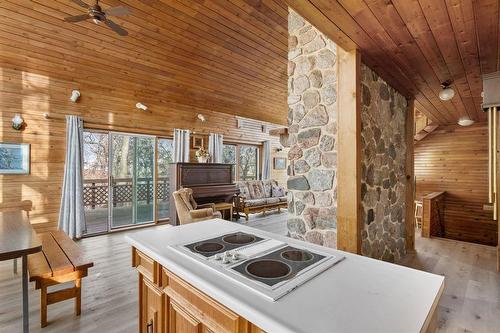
column 14, row 158
column 279, row 163
column 197, row 142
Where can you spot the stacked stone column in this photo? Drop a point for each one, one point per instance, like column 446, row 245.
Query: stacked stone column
column 312, row 120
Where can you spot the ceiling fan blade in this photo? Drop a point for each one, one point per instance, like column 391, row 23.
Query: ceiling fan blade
column 77, row 18
column 117, row 11
column 116, row 28
column 81, row 3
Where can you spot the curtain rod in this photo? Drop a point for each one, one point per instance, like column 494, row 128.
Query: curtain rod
column 94, row 125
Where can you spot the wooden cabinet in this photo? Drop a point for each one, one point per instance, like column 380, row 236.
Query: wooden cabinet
column 152, row 314
column 168, row 304
column 180, row 321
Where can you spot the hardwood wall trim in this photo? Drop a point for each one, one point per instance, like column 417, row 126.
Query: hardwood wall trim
column 349, row 151
column 454, row 159
column 410, row 176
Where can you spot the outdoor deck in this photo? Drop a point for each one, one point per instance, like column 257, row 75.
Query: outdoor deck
column 96, row 199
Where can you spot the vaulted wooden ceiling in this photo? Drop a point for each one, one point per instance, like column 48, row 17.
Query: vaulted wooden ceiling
column 230, row 55
column 417, row 44
column 227, row 56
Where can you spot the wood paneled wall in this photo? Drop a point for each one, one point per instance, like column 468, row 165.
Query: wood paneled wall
column 455, row 159
column 280, row 175
column 31, row 95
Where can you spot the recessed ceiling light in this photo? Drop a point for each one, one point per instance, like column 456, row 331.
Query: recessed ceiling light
column 465, row 122
column 447, row 93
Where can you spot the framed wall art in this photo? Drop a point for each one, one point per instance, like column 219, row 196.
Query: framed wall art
column 197, row 142
column 279, row 163
column 15, row 158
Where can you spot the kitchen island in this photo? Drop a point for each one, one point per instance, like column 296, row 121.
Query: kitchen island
column 358, row 294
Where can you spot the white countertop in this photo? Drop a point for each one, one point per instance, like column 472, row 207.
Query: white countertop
column 358, row 295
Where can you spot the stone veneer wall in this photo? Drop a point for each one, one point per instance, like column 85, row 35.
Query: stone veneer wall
column 383, row 183
column 312, row 130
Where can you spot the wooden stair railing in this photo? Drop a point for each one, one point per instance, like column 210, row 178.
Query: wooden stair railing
column 433, row 224
column 423, row 126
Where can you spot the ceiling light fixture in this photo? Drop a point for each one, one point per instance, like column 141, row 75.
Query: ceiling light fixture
column 465, row 122
column 447, row 92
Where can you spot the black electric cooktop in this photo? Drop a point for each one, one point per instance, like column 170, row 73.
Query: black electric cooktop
column 277, row 266
column 221, row 244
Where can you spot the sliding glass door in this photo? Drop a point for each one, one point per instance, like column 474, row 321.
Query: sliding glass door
column 132, row 179
column 96, row 181
column 118, row 177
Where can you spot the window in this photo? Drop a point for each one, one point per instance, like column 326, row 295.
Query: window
column 245, row 158
column 229, row 157
column 248, row 163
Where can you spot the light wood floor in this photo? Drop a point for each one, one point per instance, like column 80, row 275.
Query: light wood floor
column 471, row 302
column 471, row 299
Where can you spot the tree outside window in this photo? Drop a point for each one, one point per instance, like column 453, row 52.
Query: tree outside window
column 248, row 162
column 244, row 158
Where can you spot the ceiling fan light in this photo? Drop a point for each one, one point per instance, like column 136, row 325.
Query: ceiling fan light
column 446, row 94
column 465, row 122
column 96, row 21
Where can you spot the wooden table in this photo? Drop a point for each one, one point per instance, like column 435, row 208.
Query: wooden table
column 223, row 206
column 17, row 239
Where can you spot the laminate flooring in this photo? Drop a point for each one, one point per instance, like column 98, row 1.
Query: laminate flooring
column 470, row 303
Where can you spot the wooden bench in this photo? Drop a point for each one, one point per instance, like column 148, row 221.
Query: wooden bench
column 60, row 261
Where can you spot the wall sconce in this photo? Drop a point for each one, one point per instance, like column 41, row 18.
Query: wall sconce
column 141, row 106
column 17, row 122
column 201, row 117
column 75, row 95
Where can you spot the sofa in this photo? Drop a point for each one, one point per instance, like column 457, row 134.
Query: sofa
column 259, row 196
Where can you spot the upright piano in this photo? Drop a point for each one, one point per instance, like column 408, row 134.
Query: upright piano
column 210, row 182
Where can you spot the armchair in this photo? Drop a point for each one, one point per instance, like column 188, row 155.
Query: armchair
column 189, row 211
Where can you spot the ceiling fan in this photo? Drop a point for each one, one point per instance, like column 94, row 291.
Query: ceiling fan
column 96, row 14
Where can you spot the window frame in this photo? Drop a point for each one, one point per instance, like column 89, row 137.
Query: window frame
column 238, row 146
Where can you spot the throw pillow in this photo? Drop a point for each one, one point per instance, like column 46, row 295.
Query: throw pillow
column 278, row 191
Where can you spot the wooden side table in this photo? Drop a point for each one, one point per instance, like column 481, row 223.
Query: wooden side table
column 222, row 207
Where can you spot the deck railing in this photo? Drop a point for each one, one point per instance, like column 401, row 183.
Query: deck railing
column 95, row 191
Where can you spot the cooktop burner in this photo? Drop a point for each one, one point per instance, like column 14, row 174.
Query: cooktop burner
column 239, row 238
column 268, row 269
column 208, row 247
column 220, row 244
column 278, row 266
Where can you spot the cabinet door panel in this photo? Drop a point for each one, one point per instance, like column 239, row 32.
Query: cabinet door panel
column 181, row 321
column 152, row 308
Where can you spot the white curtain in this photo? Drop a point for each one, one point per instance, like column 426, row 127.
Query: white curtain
column 71, row 214
column 181, row 145
column 215, row 147
column 266, row 161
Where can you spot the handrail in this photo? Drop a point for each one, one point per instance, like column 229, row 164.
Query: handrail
column 433, row 224
column 95, row 191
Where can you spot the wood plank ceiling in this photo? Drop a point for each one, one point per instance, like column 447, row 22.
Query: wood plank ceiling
column 417, row 44
column 227, row 56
